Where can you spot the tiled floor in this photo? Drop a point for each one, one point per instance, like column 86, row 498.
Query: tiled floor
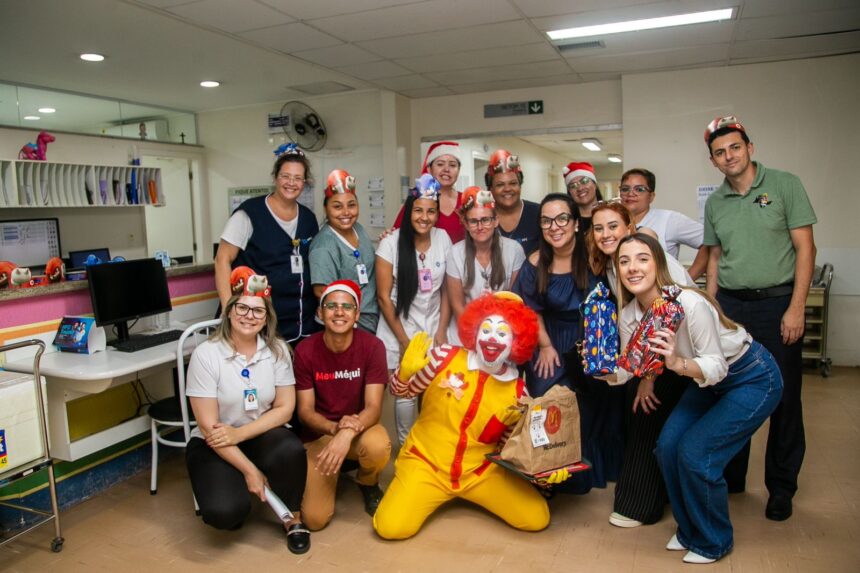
column 126, row 529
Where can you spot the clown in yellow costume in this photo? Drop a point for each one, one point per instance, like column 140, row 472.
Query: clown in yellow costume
column 468, row 411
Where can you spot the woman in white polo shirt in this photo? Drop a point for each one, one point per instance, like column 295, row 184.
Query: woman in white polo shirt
column 241, row 388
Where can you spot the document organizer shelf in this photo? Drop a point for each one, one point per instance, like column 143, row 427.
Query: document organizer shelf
column 26, row 183
column 31, row 465
column 815, row 333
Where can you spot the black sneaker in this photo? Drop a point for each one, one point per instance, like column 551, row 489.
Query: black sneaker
column 298, row 538
column 372, row 496
column 778, row 507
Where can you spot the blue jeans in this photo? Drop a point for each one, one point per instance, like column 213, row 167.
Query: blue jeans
column 705, row 430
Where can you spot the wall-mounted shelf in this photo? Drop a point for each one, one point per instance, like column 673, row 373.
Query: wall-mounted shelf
column 25, row 183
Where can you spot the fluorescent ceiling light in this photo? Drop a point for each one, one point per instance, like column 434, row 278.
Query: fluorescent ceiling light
column 46, row 110
column 646, row 24
column 92, row 57
column 591, row 144
column 614, row 158
column 210, row 84
column 31, row 117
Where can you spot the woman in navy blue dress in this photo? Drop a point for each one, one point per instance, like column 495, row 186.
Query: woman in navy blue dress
column 553, row 282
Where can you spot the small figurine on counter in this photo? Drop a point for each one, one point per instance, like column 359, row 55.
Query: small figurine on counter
column 55, row 270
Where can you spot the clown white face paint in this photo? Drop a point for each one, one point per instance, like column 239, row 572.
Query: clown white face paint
column 494, row 343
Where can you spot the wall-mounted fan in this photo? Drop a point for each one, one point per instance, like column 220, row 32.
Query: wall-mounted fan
column 305, row 127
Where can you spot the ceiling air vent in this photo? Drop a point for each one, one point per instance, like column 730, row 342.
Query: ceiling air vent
column 580, row 46
column 322, row 88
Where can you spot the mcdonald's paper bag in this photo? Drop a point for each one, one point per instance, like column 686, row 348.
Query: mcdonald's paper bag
column 548, row 435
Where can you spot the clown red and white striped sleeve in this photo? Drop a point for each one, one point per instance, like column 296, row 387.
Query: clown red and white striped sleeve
column 439, row 356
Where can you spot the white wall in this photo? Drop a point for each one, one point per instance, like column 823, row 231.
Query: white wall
column 802, row 117
column 239, row 149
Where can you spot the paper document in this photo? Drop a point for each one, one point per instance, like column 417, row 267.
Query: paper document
column 278, row 506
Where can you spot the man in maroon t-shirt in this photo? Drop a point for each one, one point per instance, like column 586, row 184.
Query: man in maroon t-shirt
column 340, row 378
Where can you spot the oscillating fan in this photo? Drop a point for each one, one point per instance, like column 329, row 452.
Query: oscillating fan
column 305, row 127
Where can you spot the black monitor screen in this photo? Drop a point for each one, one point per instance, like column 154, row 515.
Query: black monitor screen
column 77, row 259
column 128, row 290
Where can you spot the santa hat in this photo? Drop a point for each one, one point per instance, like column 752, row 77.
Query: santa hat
column 720, row 123
column 474, row 196
column 347, row 286
column 426, row 187
column 501, row 161
column 574, row 170
column 245, row 282
column 339, row 181
column 439, row 149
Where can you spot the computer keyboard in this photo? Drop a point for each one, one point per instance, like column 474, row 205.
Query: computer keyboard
column 144, row 341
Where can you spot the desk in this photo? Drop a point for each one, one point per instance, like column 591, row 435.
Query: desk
column 69, row 376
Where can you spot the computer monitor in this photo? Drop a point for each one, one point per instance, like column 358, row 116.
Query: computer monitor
column 30, row 242
column 126, row 291
column 78, row 259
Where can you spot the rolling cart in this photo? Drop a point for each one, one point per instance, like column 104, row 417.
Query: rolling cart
column 24, row 448
column 815, row 334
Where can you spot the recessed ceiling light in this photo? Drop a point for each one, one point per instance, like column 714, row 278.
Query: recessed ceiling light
column 31, row 117
column 646, row 24
column 614, row 158
column 591, row 144
column 92, row 57
column 210, row 84
column 46, row 110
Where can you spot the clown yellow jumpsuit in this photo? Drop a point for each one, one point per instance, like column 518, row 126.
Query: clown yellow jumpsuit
column 465, row 414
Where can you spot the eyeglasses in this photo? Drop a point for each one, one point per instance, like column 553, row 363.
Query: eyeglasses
column 624, row 189
column 561, row 220
column 482, row 222
column 576, row 184
column 287, row 178
column 257, row 312
column 344, row 306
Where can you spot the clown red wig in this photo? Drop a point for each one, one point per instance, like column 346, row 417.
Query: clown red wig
column 522, row 320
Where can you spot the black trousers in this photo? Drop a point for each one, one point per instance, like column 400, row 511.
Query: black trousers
column 786, row 441
column 640, row 492
column 220, row 488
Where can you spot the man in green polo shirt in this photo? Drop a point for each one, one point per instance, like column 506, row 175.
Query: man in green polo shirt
column 758, row 226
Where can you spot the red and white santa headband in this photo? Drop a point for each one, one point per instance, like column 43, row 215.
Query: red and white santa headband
column 245, row 282
column 474, row 196
column 339, row 181
column 727, row 121
column 501, row 161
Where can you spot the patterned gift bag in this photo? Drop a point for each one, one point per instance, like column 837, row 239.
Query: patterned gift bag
column 665, row 312
column 599, row 332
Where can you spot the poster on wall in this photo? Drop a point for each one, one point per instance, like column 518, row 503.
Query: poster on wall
column 237, row 195
column 702, row 194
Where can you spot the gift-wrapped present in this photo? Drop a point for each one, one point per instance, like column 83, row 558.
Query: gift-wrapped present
column 665, row 312
column 599, row 332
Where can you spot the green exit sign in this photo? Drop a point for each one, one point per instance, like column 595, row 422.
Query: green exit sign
column 535, row 107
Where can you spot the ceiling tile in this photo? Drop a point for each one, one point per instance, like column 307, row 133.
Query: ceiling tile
column 599, row 76
column 429, row 16
column 165, row 3
column 797, row 47
column 291, row 37
column 229, row 15
column 410, row 82
column 757, row 8
column 502, row 73
column 340, row 55
column 374, row 70
column 427, row 92
column 538, row 8
column 455, row 41
column 652, row 61
column 476, row 58
column 310, row 9
column 784, row 25
column 515, row 84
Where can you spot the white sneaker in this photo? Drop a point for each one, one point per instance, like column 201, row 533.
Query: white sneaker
column 619, row 520
column 691, row 557
column 674, row 544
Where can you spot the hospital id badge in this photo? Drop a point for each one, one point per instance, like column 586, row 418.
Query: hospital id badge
column 425, row 280
column 361, row 270
column 296, row 264
column 250, row 400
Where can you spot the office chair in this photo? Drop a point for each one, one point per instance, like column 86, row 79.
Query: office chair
column 173, row 412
